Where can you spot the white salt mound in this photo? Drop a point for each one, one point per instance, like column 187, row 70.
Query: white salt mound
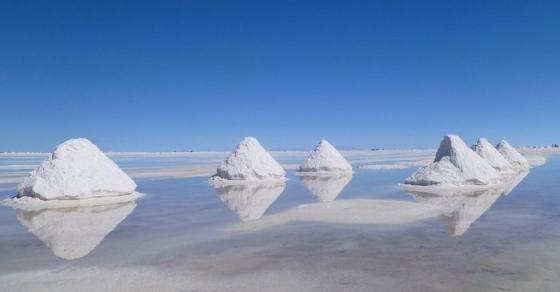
column 325, row 158
column 250, row 161
column 491, row 155
column 455, row 164
column 512, row 155
column 77, row 169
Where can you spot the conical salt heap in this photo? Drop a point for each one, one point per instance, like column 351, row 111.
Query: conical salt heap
column 77, row 169
column 512, row 155
column 249, row 161
column 325, row 158
column 455, row 164
column 491, row 155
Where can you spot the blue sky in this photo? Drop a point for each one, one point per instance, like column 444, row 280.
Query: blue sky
column 201, row 75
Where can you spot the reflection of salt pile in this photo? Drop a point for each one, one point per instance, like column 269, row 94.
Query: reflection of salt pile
column 512, row 155
column 491, row 155
column 326, row 188
column 455, row 164
column 249, row 201
column 514, row 182
column 76, row 170
column 325, row 158
column 249, row 161
column 73, row 233
column 464, row 207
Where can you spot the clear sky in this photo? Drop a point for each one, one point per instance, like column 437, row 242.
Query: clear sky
column 179, row 75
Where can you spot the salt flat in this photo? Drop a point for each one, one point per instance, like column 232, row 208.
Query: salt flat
column 359, row 234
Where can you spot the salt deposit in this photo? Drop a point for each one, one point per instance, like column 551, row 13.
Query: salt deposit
column 326, row 188
column 325, row 159
column 77, row 169
column 73, row 233
column 249, row 161
column 512, row 155
column 455, row 164
column 249, row 201
column 491, row 155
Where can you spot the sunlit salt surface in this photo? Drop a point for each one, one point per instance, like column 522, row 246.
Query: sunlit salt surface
column 353, row 233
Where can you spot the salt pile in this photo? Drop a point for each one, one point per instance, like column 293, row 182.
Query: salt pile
column 491, row 155
column 77, row 169
column 326, row 188
column 73, row 233
column 249, row 161
column 325, row 159
column 455, row 165
column 249, row 201
column 512, row 155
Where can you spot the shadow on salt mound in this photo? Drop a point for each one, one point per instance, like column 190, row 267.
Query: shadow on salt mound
column 72, row 233
column 355, row 211
column 464, row 207
column 249, row 201
column 325, row 188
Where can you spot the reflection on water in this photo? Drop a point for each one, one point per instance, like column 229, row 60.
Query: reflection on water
column 249, row 201
column 326, row 188
column 73, row 233
column 463, row 208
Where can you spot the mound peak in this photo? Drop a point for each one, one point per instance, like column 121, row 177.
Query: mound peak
column 325, row 158
column 250, row 161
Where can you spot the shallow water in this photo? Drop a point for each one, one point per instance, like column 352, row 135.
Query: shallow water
column 186, row 235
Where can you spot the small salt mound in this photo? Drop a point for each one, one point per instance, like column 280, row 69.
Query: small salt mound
column 250, row 161
column 326, row 188
column 455, row 164
column 512, row 155
column 77, row 169
column 325, row 158
column 491, row 155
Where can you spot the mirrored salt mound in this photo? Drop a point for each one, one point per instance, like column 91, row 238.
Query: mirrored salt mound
column 455, row 165
column 326, row 188
column 249, row 201
column 249, row 161
column 77, row 169
column 513, row 156
column 72, row 233
column 489, row 153
column 354, row 211
column 325, row 159
column 464, row 207
column 514, row 181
